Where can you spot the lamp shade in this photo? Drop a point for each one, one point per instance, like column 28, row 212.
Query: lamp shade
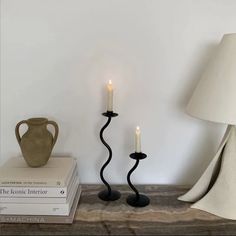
column 214, row 98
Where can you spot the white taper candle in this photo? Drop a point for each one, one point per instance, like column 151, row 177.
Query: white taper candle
column 110, row 96
column 137, row 140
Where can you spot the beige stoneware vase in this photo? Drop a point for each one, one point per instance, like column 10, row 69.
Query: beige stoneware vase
column 37, row 142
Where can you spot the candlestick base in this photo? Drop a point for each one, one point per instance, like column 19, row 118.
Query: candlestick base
column 135, row 201
column 110, row 114
column 138, row 155
column 105, row 195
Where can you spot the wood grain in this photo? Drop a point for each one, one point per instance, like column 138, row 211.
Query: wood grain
column 164, row 216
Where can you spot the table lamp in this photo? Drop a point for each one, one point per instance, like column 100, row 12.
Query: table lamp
column 214, row 99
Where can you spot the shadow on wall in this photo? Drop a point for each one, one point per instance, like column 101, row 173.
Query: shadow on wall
column 201, row 152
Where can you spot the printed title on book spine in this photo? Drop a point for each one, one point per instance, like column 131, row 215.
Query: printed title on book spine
column 22, row 191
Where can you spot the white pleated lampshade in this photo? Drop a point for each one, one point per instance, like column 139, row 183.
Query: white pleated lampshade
column 214, row 98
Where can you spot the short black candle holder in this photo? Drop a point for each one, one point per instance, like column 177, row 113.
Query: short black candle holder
column 107, row 194
column 137, row 199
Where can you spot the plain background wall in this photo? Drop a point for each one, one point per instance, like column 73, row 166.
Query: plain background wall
column 57, row 56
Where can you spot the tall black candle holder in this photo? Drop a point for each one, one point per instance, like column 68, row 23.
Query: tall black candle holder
column 137, row 199
column 107, row 194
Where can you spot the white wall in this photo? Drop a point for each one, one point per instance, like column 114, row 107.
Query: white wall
column 57, row 56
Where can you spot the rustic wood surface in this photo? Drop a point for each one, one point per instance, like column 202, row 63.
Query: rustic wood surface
column 164, row 216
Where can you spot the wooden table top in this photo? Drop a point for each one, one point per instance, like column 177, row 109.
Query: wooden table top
column 164, row 216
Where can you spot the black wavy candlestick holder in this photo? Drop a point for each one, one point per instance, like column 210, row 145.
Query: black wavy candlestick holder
column 107, row 194
column 137, row 199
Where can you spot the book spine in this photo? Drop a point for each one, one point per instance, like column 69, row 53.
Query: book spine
column 36, row 219
column 44, row 200
column 33, row 192
column 38, row 183
column 34, row 209
column 22, row 183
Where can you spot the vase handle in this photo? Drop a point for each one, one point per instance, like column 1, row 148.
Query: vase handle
column 53, row 123
column 18, row 137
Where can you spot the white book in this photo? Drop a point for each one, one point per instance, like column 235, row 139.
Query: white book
column 16, row 191
column 43, row 199
column 42, row 219
column 39, row 208
column 56, row 173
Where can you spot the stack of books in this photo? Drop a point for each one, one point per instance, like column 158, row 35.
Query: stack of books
column 48, row 194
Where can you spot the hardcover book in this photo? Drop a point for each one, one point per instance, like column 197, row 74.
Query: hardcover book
column 40, row 208
column 37, row 192
column 56, row 173
column 60, row 198
column 43, row 219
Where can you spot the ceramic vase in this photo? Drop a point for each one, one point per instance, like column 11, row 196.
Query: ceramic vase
column 37, row 142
